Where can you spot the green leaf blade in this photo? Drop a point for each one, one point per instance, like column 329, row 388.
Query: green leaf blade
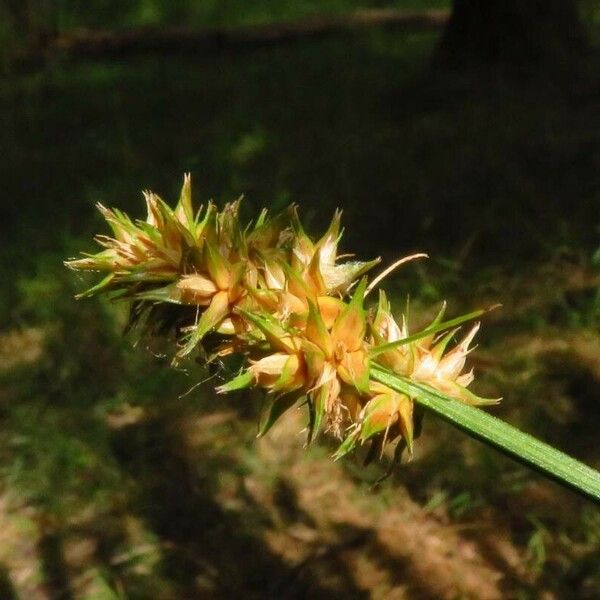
column 492, row 431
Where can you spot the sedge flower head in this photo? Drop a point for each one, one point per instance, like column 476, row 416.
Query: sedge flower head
column 291, row 306
column 146, row 253
column 426, row 359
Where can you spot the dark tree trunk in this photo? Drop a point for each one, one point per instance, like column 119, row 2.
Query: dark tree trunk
column 516, row 35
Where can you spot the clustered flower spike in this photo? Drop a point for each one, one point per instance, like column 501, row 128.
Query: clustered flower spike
column 268, row 292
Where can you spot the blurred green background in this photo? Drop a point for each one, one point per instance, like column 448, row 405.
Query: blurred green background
column 122, row 478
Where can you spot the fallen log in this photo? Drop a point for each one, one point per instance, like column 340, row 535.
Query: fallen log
column 102, row 43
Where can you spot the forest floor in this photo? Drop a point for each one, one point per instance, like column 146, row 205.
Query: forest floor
column 122, row 479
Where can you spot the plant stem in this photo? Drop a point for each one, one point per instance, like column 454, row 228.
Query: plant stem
column 494, row 432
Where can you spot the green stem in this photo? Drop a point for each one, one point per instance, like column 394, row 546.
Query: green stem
column 491, row 430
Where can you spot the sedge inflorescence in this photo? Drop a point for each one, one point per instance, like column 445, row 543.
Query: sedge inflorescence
column 288, row 305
